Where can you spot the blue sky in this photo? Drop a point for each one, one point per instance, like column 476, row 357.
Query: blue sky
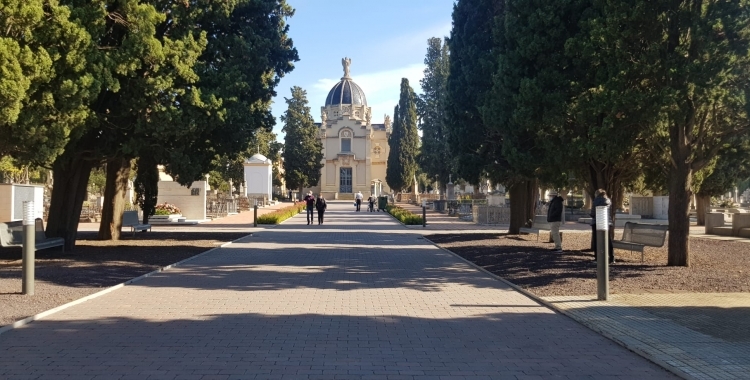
column 386, row 40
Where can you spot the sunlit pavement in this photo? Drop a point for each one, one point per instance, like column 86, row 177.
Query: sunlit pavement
column 360, row 297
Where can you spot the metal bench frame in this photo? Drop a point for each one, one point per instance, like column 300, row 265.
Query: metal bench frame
column 539, row 223
column 130, row 219
column 637, row 236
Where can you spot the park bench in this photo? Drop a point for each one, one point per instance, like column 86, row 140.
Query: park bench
column 539, row 223
column 11, row 235
column 130, row 219
column 637, row 236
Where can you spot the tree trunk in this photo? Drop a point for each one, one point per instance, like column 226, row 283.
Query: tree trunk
column 702, row 202
column 70, row 178
column 680, row 182
column 118, row 171
column 522, row 204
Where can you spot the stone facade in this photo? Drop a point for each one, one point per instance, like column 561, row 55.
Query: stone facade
column 355, row 149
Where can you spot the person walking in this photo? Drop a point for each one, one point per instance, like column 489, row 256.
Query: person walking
column 601, row 200
column 358, row 199
column 554, row 218
column 321, row 206
column 371, row 203
column 310, row 203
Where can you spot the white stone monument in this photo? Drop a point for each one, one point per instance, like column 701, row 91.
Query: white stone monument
column 190, row 200
column 258, row 176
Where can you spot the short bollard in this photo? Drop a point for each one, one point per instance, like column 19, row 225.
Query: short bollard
column 424, row 213
column 29, row 245
column 602, row 253
column 255, row 215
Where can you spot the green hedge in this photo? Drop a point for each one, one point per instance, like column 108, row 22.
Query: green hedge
column 281, row 214
column 404, row 216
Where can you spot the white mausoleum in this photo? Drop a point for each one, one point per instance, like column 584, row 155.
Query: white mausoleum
column 355, row 150
column 258, row 176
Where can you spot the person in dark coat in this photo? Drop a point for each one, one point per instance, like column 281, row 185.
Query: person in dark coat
column 601, row 200
column 310, row 205
column 321, row 206
column 554, row 218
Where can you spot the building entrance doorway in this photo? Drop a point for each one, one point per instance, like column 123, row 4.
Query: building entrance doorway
column 345, row 181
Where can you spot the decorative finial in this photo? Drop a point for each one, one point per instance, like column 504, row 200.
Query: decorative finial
column 346, row 62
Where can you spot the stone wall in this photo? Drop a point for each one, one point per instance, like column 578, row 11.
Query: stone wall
column 191, row 201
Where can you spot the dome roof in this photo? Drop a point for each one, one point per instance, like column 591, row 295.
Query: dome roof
column 257, row 159
column 346, row 92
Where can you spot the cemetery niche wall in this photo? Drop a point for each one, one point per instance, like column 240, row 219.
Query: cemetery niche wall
column 190, row 200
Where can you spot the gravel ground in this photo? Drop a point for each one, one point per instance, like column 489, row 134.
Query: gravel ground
column 94, row 265
column 716, row 266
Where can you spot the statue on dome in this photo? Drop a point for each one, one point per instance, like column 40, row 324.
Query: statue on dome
column 323, row 118
column 346, row 62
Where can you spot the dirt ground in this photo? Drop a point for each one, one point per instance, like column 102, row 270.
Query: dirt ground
column 716, row 266
column 94, row 265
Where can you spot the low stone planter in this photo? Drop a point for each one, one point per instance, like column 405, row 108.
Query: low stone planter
column 160, row 219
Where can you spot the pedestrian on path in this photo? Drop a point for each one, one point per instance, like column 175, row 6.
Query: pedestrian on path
column 371, row 203
column 358, row 199
column 601, row 200
column 554, row 218
column 310, row 203
column 321, row 206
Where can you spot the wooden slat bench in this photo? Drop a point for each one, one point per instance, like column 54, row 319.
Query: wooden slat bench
column 637, row 236
column 11, row 235
column 130, row 219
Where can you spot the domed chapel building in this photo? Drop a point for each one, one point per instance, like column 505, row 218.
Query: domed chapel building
column 355, row 150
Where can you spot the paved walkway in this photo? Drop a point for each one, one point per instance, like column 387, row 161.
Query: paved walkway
column 699, row 335
column 677, row 330
column 357, row 298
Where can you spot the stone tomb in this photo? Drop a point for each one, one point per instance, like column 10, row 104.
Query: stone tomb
column 258, row 177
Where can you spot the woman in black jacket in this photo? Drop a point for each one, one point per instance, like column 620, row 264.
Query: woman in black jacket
column 320, row 205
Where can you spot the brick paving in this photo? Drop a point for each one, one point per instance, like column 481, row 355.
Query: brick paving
column 360, row 297
column 639, row 322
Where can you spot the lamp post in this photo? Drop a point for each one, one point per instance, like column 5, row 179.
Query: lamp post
column 602, row 254
column 29, row 246
column 255, row 213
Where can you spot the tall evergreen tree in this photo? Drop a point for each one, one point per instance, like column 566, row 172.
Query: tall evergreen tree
column 404, row 141
column 393, row 170
column 435, row 149
column 186, row 82
column 703, row 72
column 303, row 150
column 472, row 65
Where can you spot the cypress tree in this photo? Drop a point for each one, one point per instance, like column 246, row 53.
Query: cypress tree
column 303, row 151
column 435, row 147
column 392, row 176
column 404, row 141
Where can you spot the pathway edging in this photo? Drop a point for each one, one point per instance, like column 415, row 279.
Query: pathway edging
column 592, row 327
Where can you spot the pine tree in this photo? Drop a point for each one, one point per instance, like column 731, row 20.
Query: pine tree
column 404, row 141
column 303, row 150
column 435, row 149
